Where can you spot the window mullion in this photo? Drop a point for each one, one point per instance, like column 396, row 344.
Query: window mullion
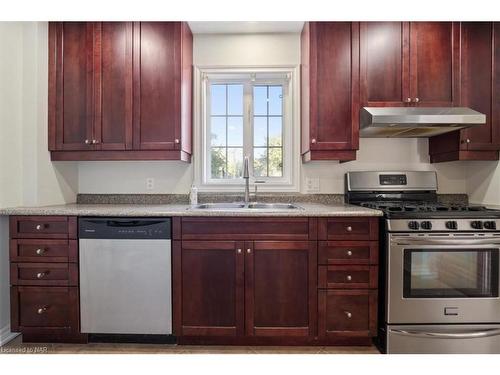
column 248, row 125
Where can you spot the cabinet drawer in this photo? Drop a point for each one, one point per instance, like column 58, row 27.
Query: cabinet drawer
column 347, row 277
column 44, row 307
column 348, row 228
column 46, row 274
column 245, row 228
column 347, row 313
column 42, row 227
column 33, row 250
column 348, row 252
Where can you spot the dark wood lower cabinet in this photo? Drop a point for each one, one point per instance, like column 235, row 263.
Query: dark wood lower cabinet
column 211, row 297
column 44, row 293
column 241, row 283
column 46, row 314
column 347, row 313
column 280, row 283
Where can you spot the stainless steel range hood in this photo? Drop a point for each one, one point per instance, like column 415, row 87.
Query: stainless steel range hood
column 416, row 122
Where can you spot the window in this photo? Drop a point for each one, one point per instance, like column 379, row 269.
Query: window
column 247, row 115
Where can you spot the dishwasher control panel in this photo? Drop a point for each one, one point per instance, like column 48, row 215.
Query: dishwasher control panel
column 125, row 228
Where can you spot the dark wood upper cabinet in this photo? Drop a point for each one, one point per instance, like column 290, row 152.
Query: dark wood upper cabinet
column 409, row 64
column 113, row 96
column 434, row 63
column 384, row 64
column 280, row 288
column 120, row 90
column 159, row 63
column 480, row 90
column 70, row 86
column 330, row 90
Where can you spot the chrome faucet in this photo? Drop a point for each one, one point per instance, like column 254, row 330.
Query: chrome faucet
column 246, row 176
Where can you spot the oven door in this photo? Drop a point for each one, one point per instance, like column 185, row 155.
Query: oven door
column 443, row 278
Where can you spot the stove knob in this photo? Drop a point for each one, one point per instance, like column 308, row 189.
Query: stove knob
column 413, row 225
column 490, row 225
column 427, row 225
column 451, row 225
column 476, row 224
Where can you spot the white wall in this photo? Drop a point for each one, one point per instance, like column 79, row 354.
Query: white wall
column 27, row 177
column 483, row 182
column 264, row 50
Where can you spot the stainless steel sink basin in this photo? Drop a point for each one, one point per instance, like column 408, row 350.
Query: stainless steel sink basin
column 243, row 206
column 219, row 206
column 273, row 206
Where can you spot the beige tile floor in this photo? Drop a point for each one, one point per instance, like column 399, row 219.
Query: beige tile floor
column 16, row 346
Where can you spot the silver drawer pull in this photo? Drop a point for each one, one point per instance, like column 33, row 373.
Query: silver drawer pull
column 349, row 277
column 38, row 227
column 238, row 251
column 349, row 228
column 348, row 314
column 349, row 253
column 40, row 251
column 41, row 275
column 42, row 310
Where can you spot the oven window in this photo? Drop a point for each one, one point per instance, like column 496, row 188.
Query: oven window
column 450, row 273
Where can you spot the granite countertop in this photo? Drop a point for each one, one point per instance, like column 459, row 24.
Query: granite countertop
column 309, row 209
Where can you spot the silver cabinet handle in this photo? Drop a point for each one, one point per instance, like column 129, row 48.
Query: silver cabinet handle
column 87, row 142
column 39, row 251
column 408, row 100
column 417, row 100
column 448, row 335
column 313, row 140
column 238, row 251
column 349, row 277
column 95, row 141
column 349, row 253
column 249, row 251
column 38, row 227
column 466, row 140
column 176, row 140
column 348, row 314
column 41, row 275
column 42, row 310
column 349, row 229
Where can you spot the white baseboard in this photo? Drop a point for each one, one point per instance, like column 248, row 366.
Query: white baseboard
column 6, row 335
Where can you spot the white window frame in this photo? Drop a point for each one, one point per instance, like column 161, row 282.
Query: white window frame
column 286, row 76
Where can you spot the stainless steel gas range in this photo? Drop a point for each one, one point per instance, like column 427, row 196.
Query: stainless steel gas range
column 440, row 265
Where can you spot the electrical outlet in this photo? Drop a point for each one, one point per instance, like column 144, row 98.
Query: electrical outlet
column 150, row 183
column 312, row 185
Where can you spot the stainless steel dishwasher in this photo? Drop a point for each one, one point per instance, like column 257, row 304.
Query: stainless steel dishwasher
column 125, row 276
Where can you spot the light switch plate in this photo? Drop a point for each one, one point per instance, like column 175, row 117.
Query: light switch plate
column 312, row 185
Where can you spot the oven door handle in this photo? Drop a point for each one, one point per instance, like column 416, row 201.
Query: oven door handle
column 445, row 335
column 456, row 241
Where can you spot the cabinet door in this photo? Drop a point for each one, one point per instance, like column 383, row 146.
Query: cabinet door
column 334, row 91
column 157, row 77
column 211, row 288
column 113, row 93
column 477, row 76
column 280, row 288
column 384, row 64
column 434, row 63
column 70, row 86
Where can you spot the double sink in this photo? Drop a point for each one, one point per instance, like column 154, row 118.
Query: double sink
column 246, row 206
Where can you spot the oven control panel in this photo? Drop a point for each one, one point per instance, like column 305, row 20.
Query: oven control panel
column 444, row 225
